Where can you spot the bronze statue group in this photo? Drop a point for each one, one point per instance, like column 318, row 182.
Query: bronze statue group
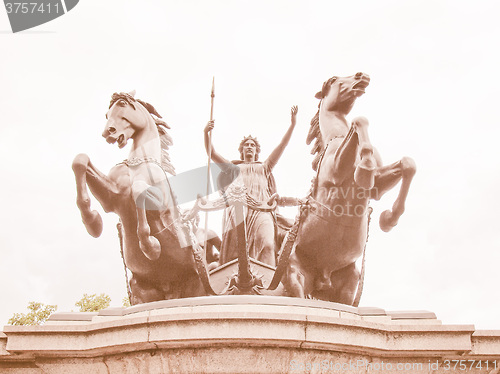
column 313, row 256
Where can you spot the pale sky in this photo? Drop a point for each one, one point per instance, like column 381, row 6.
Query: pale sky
column 433, row 96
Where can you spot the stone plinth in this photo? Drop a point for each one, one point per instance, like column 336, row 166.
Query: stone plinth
column 246, row 334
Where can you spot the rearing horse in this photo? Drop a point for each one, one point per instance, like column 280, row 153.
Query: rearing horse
column 333, row 223
column 157, row 244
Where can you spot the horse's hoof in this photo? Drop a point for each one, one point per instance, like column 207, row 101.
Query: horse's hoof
column 387, row 221
column 93, row 223
column 151, row 248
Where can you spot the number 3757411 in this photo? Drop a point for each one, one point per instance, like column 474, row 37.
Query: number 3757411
column 38, row 7
column 463, row 365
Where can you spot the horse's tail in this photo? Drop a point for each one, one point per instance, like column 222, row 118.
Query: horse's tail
column 119, row 227
column 198, row 256
column 286, row 249
column 361, row 283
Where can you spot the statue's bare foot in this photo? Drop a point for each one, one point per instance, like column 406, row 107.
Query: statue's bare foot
column 151, row 248
column 93, row 223
column 388, row 220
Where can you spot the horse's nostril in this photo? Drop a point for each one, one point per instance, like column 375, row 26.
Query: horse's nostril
column 359, row 75
column 111, row 130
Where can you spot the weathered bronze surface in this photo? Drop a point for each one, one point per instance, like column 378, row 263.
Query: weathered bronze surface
column 257, row 179
column 260, row 251
column 156, row 242
column 333, row 223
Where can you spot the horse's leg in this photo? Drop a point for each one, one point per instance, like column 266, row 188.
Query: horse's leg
column 144, row 194
column 294, row 280
column 387, row 177
column 337, row 167
column 364, row 175
column 192, row 287
column 344, row 284
column 91, row 218
column 143, row 292
column 343, row 162
column 297, row 280
column 104, row 188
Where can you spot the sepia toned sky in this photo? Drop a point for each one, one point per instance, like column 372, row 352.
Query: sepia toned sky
column 434, row 96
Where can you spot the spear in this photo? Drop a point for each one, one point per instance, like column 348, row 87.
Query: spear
column 212, row 95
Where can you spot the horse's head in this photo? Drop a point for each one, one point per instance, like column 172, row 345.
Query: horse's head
column 340, row 93
column 126, row 118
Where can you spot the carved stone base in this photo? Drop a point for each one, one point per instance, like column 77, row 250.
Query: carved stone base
column 246, row 334
column 222, row 277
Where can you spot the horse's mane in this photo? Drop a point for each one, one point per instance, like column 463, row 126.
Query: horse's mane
column 315, row 133
column 165, row 138
column 314, row 130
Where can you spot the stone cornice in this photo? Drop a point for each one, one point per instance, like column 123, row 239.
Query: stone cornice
column 247, row 321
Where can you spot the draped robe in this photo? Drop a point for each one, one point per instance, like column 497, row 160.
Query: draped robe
column 260, row 226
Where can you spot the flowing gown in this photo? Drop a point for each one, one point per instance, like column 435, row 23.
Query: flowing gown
column 260, row 226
